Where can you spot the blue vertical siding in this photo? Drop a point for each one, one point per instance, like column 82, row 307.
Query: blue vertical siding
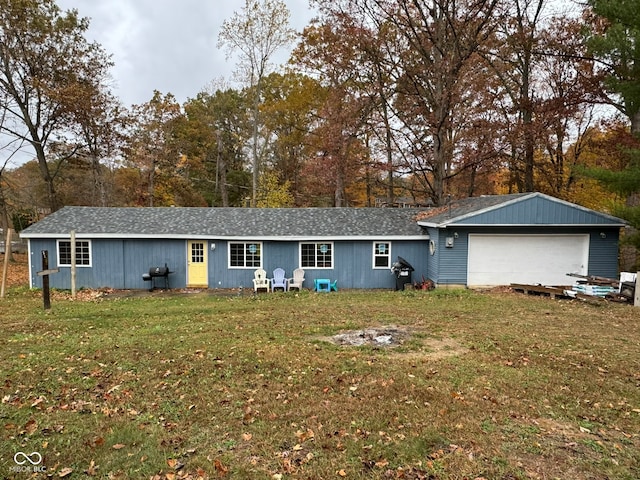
column 537, row 211
column 142, row 254
column 36, row 246
column 452, row 261
column 603, row 253
column 449, row 265
column 115, row 263
column 352, row 265
column 120, row 263
column 433, row 261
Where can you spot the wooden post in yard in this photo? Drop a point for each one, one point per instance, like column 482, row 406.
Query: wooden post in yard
column 73, row 264
column 5, row 266
column 46, row 296
column 636, row 296
column 44, row 273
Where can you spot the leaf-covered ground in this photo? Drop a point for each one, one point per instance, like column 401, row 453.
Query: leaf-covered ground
column 17, row 271
column 200, row 385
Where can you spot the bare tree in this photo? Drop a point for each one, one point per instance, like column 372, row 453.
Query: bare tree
column 257, row 33
column 428, row 61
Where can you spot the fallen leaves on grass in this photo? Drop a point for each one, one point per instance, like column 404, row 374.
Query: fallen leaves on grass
column 199, row 475
column 221, row 469
column 92, row 470
column 175, row 464
column 18, row 270
column 95, row 442
column 30, row 427
column 65, row 472
column 304, row 436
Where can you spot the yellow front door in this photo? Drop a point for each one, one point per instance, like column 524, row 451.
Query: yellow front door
column 197, row 275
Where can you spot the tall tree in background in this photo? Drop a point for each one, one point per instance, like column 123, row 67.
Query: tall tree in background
column 46, row 65
column 436, row 45
column 98, row 141
column 342, row 115
column 291, row 102
column 567, row 89
column 4, row 207
column 614, row 39
column 213, row 137
column 257, row 33
column 152, row 151
column 514, row 60
column 371, row 46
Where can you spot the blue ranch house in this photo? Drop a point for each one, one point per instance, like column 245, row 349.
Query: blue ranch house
column 474, row 242
column 222, row 247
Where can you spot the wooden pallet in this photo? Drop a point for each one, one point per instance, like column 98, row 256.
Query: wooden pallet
column 553, row 292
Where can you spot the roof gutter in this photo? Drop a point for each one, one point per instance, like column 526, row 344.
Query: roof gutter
column 274, row 238
column 545, row 225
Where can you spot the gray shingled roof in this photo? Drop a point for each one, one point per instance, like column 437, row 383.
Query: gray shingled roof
column 255, row 223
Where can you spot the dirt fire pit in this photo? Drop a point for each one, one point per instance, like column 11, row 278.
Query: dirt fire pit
column 387, row 336
column 390, row 336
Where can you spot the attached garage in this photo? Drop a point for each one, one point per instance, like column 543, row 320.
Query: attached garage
column 528, row 259
column 528, row 238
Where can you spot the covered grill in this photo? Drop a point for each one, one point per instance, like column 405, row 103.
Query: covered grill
column 402, row 270
column 157, row 273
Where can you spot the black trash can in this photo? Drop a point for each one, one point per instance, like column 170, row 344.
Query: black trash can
column 402, row 270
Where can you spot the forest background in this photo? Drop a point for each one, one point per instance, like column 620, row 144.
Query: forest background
column 382, row 103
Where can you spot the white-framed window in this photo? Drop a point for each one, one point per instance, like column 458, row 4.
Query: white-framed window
column 381, row 254
column 316, row 255
column 83, row 253
column 245, row 255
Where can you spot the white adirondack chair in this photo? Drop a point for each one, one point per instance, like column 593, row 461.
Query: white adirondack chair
column 297, row 279
column 260, row 280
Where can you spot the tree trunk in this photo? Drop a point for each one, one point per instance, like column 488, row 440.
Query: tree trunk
column 224, row 191
column 339, row 194
column 635, row 124
column 254, row 152
column 438, row 168
column 99, row 194
column 152, row 177
column 5, row 224
column 46, row 176
column 526, row 111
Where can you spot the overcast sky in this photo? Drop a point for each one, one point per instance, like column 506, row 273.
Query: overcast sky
column 166, row 45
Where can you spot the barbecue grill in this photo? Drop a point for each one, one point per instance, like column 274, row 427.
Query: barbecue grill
column 402, row 270
column 157, row 273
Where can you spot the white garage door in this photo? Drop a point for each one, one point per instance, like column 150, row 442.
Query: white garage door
column 528, row 259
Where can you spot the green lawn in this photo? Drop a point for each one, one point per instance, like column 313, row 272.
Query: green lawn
column 494, row 386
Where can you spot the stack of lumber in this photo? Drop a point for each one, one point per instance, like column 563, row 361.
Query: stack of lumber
column 594, row 290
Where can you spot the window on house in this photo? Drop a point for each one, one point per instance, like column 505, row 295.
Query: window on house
column 316, row 255
column 381, row 255
column 245, row 255
column 83, row 253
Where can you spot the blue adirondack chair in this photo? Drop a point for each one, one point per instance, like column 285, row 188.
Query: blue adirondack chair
column 279, row 280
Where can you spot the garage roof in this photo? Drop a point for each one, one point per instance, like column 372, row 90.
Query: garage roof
column 521, row 209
